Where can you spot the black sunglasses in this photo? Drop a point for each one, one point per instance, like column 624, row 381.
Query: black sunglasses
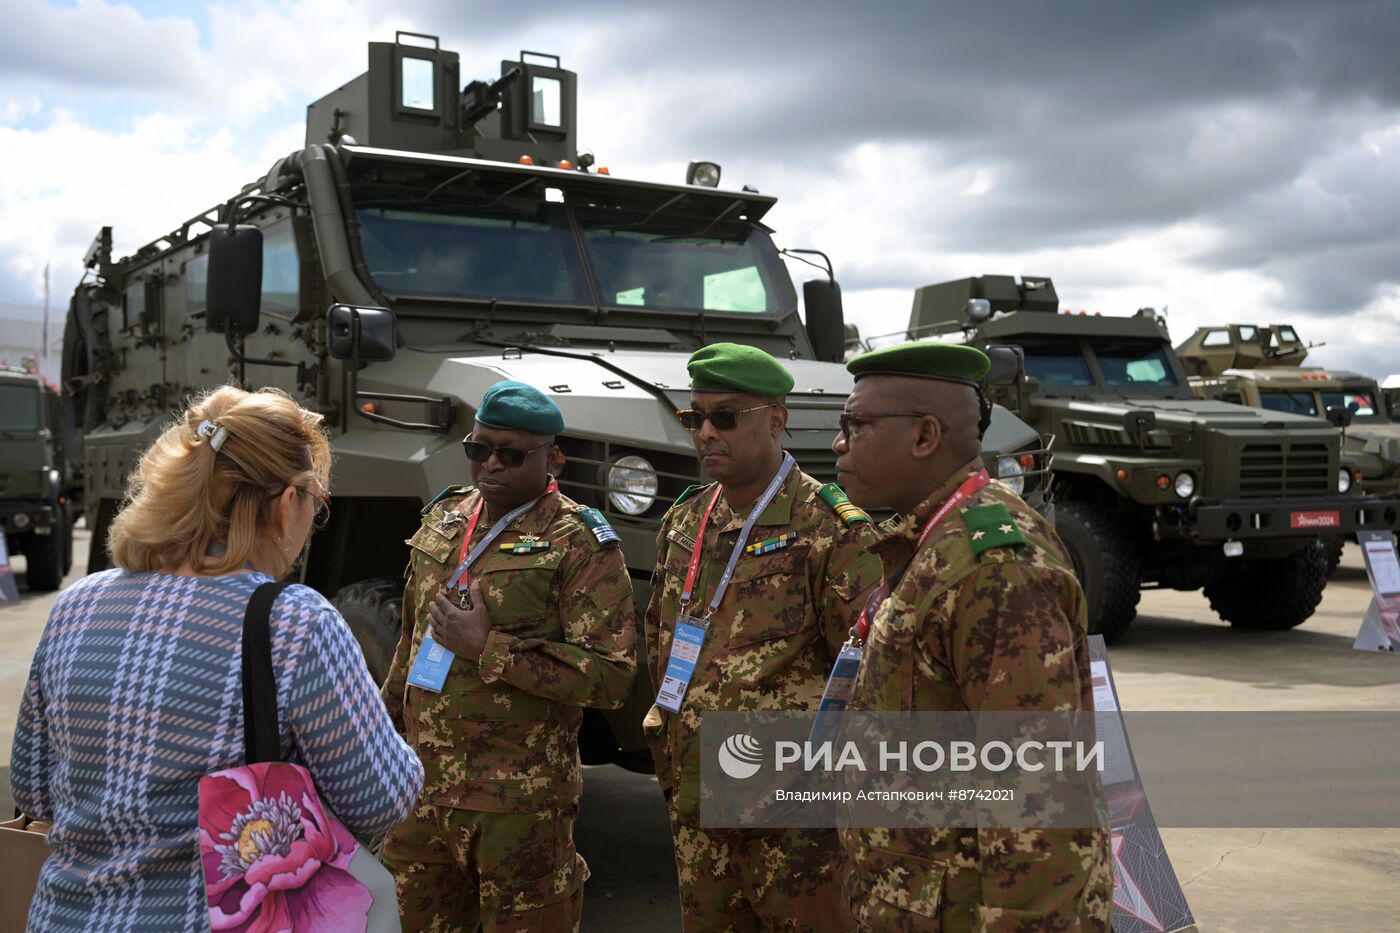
column 724, row 419
column 510, row 457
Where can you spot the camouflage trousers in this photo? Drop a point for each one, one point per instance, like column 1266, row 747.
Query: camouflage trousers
column 502, row 872
column 755, row 880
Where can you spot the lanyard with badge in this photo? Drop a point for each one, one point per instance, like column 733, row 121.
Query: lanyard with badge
column 430, row 668
column 843, row 673
column 690, row 631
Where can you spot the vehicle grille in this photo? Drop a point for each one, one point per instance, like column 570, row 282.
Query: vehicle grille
column 1285, row 469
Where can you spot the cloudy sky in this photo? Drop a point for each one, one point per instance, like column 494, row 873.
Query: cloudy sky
column 1230, row 161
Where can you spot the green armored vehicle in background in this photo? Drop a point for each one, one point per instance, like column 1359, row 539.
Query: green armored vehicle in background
column 426, row 243
column 1262, row 367
column 36, row 514
column 1153, row 485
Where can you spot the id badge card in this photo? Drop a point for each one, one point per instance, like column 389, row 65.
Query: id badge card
column 430, row 668
column 837, row 694
column 685, row 653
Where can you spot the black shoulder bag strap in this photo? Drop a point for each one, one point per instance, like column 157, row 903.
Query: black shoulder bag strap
column 261, row 741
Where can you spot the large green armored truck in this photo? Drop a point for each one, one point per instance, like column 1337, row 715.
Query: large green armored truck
column 426, row 243
column 1262, row 367
column 1155, row 486
column 36, row 514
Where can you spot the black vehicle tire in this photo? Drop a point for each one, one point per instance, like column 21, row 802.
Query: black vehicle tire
column 1272, row 595
column 374, row 611
column 1334, row 545
column 1106, row 563
column 44, row 556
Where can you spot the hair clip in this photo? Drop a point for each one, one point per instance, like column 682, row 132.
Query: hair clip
column 216, row 434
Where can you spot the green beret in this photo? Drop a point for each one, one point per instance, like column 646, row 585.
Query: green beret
column 515, row 405
column 733, row 367
column 926, row 359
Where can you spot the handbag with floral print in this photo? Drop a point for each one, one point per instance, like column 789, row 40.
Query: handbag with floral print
column 274, row 858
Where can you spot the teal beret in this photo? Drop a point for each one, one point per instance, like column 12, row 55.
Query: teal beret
column 516, row 405
column 951, row 362
column 733, row 367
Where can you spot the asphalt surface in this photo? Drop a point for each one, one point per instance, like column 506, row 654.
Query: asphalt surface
column 1178, row 655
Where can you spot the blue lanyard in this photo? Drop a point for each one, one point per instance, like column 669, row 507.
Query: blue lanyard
column 763, row 501
column 493, row 534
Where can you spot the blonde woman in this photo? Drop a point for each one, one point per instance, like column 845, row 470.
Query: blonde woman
column 135, row 690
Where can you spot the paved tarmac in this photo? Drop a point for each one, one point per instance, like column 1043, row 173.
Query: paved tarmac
column 1177, row 656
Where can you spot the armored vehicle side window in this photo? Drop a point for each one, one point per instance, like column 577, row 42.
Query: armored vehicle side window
column 19, row 408
column 1056, row 362
column 464, row 250
column 1216, row 338
column 133, row 304
column 1298, row 403
column 1358, row 403
column 196, row 283
column 281, row 274
column 675, row 264
column 1134, row 362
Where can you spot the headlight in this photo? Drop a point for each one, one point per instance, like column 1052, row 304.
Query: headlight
column 1343, row 480
column 1009, row 472
column 21, row 521
column 1185, row 485
column 632, row 485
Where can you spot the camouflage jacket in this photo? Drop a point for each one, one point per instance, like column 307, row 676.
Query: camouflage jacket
column 502, row 734
column 771, row 643
column 988, row 616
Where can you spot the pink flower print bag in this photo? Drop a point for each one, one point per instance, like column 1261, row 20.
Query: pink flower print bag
column 274, row 858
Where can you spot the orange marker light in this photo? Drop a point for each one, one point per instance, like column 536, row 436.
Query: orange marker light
column 603, row 170
column 1028, row 461
column 1356, row 476
column 1164, row 481
column 369, row 408
column 1122, row 474
column 526, row 160
column 565, row 164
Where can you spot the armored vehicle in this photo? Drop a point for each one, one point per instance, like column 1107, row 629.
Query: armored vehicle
column 1153, row 485
column 1262, row 366
column 426, row 243
column 35, row 480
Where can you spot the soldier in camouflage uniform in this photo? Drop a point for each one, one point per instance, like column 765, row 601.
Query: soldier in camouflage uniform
column 796, row 589
column 545, row 627
column 985, row 614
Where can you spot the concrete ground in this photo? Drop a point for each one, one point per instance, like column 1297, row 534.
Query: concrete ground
column 1177, row 656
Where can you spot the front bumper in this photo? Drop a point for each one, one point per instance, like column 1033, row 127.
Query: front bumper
column 1212, row 520
column 41, row 516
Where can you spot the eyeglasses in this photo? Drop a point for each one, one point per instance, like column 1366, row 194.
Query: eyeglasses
column 852, row 421
column 724, row 419
column 510, row 457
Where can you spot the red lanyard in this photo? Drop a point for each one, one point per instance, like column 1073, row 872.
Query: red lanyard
column 464, row 582
column 699, row 545
column 882, row 592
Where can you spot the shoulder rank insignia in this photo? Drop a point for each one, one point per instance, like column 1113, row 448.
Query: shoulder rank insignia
column 846, row 510
column 772, row 544
column 689, row 491
column 598, row 525
column 525, row 546
column 991, row 526
column 445, row 494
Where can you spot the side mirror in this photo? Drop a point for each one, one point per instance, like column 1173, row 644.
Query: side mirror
column 1339, row 417
column 235, row 280
column 826, row 321
column 371, row 328
column 1137, row 424
column 1008, row 365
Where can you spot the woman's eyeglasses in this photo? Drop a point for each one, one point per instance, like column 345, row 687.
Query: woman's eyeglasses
column 510, row 457
column 724, row 419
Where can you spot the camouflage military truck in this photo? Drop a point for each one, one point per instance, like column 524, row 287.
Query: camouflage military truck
column 35, row 480
column 427, row 242
column 1262, row 367
column 1153, row 485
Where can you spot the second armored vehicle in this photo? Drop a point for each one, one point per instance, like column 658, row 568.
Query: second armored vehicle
column 1155, row 486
